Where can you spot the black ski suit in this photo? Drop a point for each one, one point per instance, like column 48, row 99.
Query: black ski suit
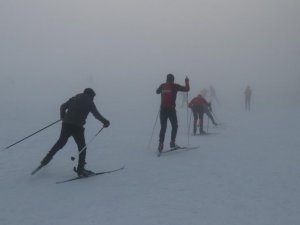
column 74, row 113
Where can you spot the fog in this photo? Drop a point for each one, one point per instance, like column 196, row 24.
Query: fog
column 248, row 170
column 51, row 50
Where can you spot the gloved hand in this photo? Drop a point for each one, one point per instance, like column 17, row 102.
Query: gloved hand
column 106, row 123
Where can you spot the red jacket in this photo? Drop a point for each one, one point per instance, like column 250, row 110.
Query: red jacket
column 198, row 101
column 169, row 91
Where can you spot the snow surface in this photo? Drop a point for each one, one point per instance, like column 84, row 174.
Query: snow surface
column 247, row 173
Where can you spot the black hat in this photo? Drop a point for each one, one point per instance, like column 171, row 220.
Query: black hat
column 90, row 92
column 170, row 77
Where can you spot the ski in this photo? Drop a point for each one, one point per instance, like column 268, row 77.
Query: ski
column 92, row 175
column 176, row 149
column 219, row 125
column 206, row 134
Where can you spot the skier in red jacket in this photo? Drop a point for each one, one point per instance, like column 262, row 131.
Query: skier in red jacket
column 168, row 92
column 200, row 106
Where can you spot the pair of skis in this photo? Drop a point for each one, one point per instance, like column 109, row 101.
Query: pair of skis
column 176, row 149
column 115, row 170
column 91, row 175
column 81, row 177
column 206, row 134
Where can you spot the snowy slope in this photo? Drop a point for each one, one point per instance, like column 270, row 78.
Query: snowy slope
column 248, row 173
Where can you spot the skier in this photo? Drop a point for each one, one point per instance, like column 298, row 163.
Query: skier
column 204, row 92
column 168, row 92
column 212, row 94
column 73, row 114
column 199, row 106
column 247, row 93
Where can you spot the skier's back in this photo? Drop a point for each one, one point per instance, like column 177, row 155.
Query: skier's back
column 168, row 92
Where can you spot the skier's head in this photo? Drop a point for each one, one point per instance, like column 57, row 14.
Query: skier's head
column 90, row 92
column 170, row 78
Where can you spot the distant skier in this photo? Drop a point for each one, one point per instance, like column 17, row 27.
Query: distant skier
column 204, row 93
column 248, row 93
column 73, row 114
column 213, row 95
column 168, row 92
column 200, row 106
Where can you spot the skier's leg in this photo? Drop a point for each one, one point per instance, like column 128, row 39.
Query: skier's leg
column 201, row 113
column 63, row 138
column 208, row 113
column 195, row 121
column 174, row 123
column 163, row 125
column 79, row 138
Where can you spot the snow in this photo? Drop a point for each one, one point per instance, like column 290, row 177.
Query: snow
column 247, row 173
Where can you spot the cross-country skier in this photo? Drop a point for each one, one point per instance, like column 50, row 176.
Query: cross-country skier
column 168, row 92
column 73, row 114
column 200, row 106
column 213, row 95
column 247, row 93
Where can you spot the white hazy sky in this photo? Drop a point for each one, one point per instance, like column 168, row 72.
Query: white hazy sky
column 116, row 45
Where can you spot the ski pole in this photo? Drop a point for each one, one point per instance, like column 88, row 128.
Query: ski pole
column 31, row 135
column 207, row 123
column 214, row 115
column 187, row 118
column 187, row 112
column 153, row 129
column 85, row 147
column 189, row 127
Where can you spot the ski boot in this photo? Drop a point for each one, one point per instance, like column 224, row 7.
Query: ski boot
column 83, row 172
column 173, row 145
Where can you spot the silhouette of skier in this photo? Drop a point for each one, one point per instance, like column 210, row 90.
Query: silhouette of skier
column 248, row 93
